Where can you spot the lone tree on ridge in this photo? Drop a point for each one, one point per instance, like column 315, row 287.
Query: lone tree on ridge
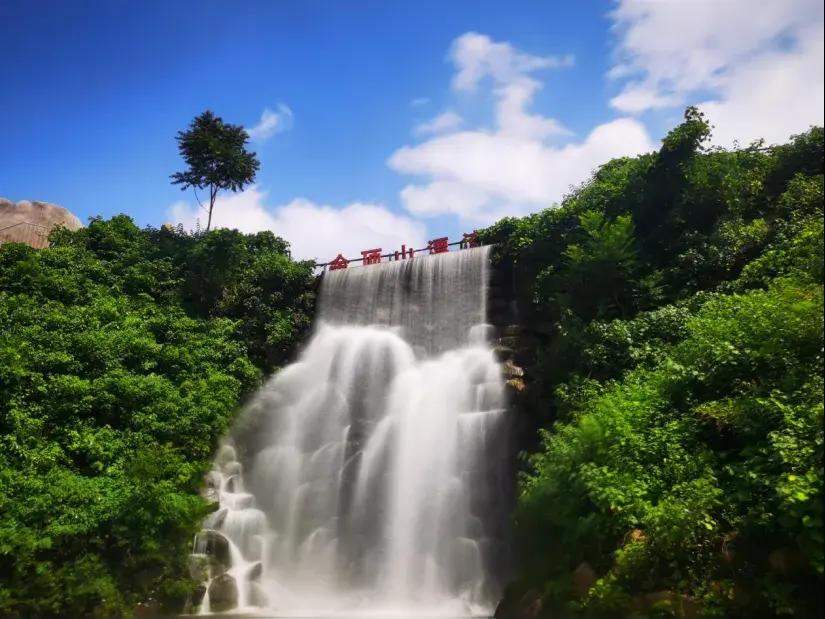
column 216, row 156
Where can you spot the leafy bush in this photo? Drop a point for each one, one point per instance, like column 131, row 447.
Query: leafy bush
column 720, row 445
column 676, row 299
column 124, row 354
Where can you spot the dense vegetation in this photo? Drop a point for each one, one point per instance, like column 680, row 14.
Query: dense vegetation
column 677, row 303
column 124, row 353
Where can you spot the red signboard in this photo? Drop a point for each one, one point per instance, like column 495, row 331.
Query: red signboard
column 371, row 256
column 439, row 246
column 470, row 240
column 338, row 263
column 435, row 246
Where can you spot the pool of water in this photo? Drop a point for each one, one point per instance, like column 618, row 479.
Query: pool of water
column 411, row 615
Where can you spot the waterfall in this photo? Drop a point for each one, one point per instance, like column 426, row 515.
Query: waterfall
column 370, row 475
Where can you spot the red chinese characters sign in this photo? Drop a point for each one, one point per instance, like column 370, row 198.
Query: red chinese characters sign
column 470, row 240
column 404, row 253
column 439, row 246
column 435, row 246
column 339, row 262
column 371, row 256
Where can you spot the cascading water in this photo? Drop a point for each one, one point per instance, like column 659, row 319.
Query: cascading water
column 370, row 476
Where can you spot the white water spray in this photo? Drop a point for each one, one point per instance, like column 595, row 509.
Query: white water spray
column 370, row 476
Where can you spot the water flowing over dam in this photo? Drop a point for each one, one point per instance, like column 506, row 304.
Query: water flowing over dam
column 371, row 475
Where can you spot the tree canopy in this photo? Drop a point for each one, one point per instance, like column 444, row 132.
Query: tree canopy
column 216, row 156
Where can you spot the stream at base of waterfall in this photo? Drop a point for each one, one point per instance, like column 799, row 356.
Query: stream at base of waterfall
column 370, row 478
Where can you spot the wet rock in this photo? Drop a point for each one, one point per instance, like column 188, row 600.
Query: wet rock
column 223, row 593
column 475, row 528
column 512, row 330
column 197, row 595
column 214, row 544
column 503, row 353
column 232, row 468
column 511, row 370
column 584, row 577
column 255, row 571
column 516, row 384
column 516, row 606
column 257, row 596
column 233, row 484
column 509, row 341
column 215, row 519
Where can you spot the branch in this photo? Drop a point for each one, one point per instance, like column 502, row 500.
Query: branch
column 195, row 191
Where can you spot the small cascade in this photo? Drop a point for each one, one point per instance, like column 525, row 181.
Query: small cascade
column 370, row 475
column 227, row 552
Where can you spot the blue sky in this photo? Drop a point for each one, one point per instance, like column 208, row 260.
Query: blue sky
column 389, row 122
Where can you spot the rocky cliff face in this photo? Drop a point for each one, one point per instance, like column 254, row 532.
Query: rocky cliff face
column 30, row 221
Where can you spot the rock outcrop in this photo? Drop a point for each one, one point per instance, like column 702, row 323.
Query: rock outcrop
column 223, row 593
column 31, row 222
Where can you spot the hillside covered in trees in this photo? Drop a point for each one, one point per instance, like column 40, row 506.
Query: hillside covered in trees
column 676, row 307
column 124, row 354
column 674, row 310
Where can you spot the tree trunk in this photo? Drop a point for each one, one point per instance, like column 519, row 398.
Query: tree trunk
column 212, row 195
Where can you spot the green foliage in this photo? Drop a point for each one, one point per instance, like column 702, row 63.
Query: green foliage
column 124, row 353
column 677, row 301
column 216, row 156
column 719, row 445
column 602, row 264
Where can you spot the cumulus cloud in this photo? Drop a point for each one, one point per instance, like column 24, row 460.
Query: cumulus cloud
column 314, row 231
column 272, row 122
column 443, row 123
column 476, row 56
column 519, row 166
column 755, row 68
column 481, row 176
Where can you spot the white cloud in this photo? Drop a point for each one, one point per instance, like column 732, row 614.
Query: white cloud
column 314, row 231
column 272, row 122
column 516, row 168
column 477, row 56
column 443, row 123
column 776, row 95
column 481, row 176
column 755, row 67
column 637, row 98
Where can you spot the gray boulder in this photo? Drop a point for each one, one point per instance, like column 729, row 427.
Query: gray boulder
column 255, row 571
column 257, row 595
column 223, row 593
column 214, row 544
